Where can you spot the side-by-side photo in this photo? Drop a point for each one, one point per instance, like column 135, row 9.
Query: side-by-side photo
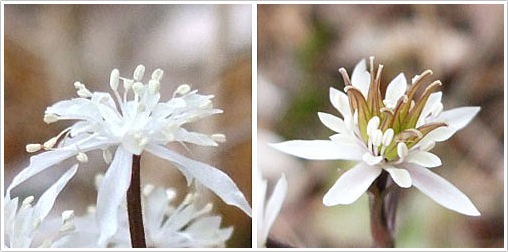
column 128, row 126
column 380, row 126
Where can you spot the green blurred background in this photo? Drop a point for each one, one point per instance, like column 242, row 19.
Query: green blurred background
column 300, row 48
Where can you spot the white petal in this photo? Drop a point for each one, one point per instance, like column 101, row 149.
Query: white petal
column 361, row 78
column 332, row 122
column 340, row 101
column 47, row 199
column 112, row 192
column 400, row 176
column 440, row 134
column 274, row 204
column 318, row 150
column 214, row 179
column 396, row 88
column 78, row 108
column 351, row 185
column 346, row 139
column 458, row 118
column 370, row 159
column 440, row 190
column 423, row 158
column 433, row 99
column 193, row 137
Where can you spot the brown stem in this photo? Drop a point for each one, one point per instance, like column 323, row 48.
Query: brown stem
column 134, row 206
column 383, row 199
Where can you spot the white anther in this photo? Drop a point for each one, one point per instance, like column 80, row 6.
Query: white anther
column 27, row 202
column 50, row 118
column 50, row 143
column 427, row 145
column 138, row 88
column 84, row 93
column 127, row 84
column 402, row 150
column 67, row 215
column 157, row 74
column 183, row 89
column 170, row 194
column 437, row 110
column 139, row 72
column 33, row 147
column 377, row 137
column 82, row 157
column 37, row 223
column 154, row 86
column 372, row 125
column 98, row 180
column 387, row 137
column 114, row 79
column 79, row 85
column 148, row 189
column 107, row 156
column 221, row 138
column 90, row 209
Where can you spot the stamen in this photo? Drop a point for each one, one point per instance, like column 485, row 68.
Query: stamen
column 372, row 125
column 30, row 148
column 78, row 85
column 50, row 143
column 377, row 138
column 221, row 138
column 82, row 157
column 402, row 150
column 182, row 89
column 148, row 189
column 27, row 202
column 50, row 118
column 138, row 88
column 114, row 79
column 345, row 76
column 139, row 72
column 154, row 86
column 67, row 215
column 157, row 74
column 388, row 137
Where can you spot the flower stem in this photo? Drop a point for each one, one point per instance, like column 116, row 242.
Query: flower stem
column 383, row 201
column 134, row 206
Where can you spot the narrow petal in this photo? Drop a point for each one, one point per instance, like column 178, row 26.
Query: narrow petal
column 212, row 178
column 340, row 101
column 440, row 134
column 78, row 108
column 458, row 118
column 440, row 190
column 423, row 158
column 370, row 159
column 434, row 98
column 274, row 204
column 112, row 192
column 332, row 122
column 47, row 199
column 351, row 185
column 318, row 150
column 400, row 176
column 194, row 137
column 396, row 88
column 361, row 78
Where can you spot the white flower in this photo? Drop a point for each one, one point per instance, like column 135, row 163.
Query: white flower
column 21, row 224
column 166, row 226
column 137, row 123
column 267, row 213
column 394, row 134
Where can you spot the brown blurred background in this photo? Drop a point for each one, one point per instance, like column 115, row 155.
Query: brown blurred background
column 49, row 47
column 300, row 48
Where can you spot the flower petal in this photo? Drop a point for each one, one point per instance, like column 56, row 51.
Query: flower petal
column 400, row 176
column 214, row 179
column 440, row 134
column 423, row 158
column 370, row 159
column 274, row 204
column 47, row 199
column 318, row 150
column 396, row 88
column 112, row 192
column 440, row 190
column 458, row 118
column 351, row 185
column 433, row 99
column 332, row 122
column 361, row 78
column 340, row 101
column 77, row 108
column 193, row 137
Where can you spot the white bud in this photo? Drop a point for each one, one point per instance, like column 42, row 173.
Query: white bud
column 114, row 79
column 82, row 157
column 372, row 125
column 183, row 89
column 50, row 118
column 50, row 143
column 33, row 147
column 402, row 150
column 127, row 84
column 157, row 74
column 138, row 88
column 139, row 72
column 27, row 202
column 154, row 86
column 107, row 156
column 67, row 215
column 377, row 137
column 387, row 137
column 221, row 138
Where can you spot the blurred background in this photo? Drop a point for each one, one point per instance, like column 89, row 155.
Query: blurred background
column 300, row 49
column 49, row 47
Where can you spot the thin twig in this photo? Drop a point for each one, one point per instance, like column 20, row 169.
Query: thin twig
column 134, row 206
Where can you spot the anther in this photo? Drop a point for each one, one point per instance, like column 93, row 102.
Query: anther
column 67, row 215
column 402, row 150
column 114, row 79
column 50, row 143
column 84, row 93
column 82, row 157
column 139, row 72
column 388, row 137
column 157, row 74
column 183, row 89
column 27, row 202
column 372, row 125
column 221, row 138
column 50, row 118
column 33, row 147
column 79, row 85
column 347, row 88
column 377, row 137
